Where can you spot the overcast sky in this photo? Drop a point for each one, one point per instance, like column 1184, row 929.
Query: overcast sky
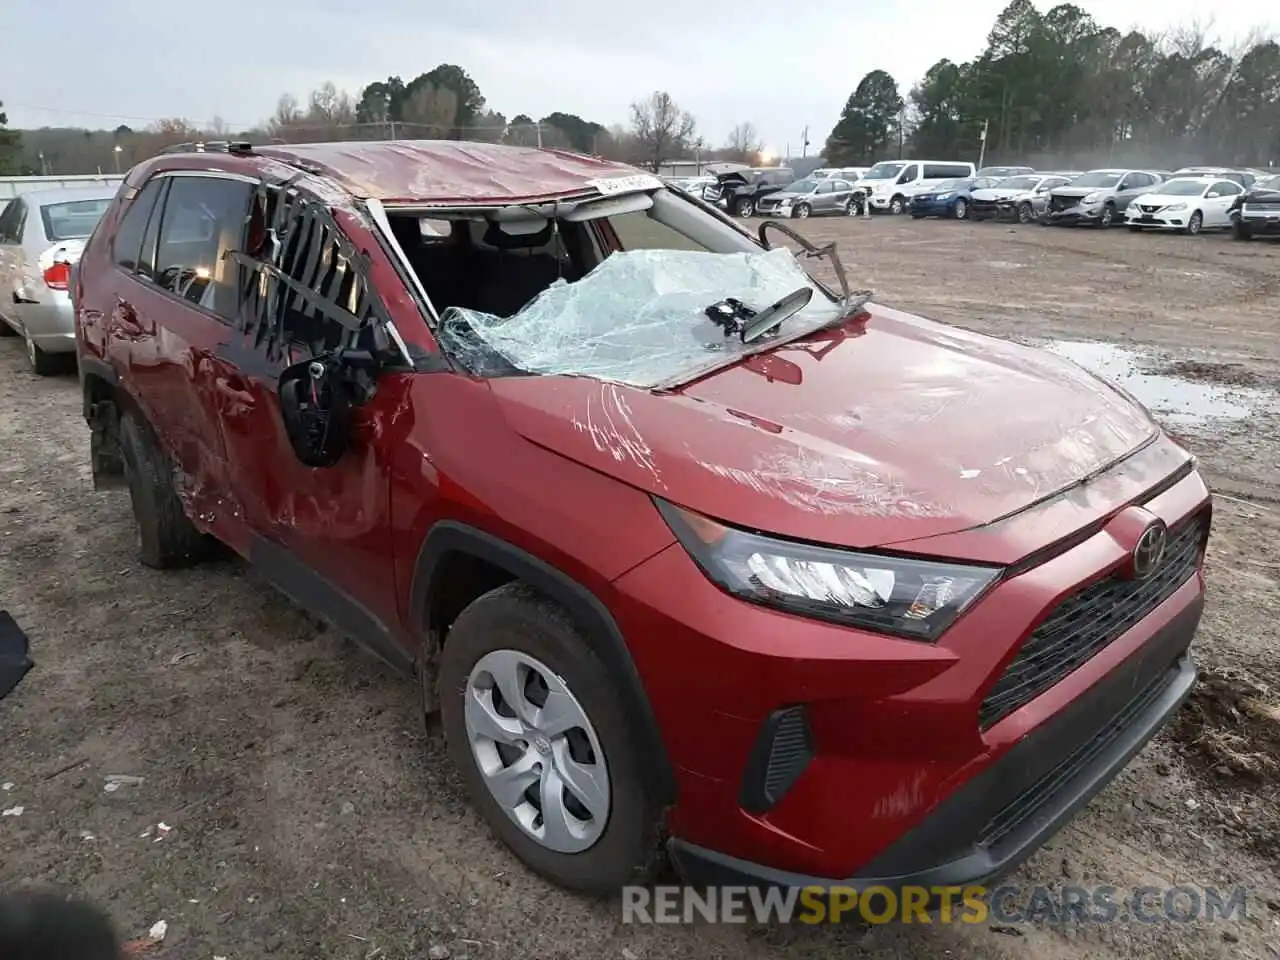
column 781, row 66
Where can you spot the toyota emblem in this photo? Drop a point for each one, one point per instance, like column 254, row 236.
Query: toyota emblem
column 1149, row 550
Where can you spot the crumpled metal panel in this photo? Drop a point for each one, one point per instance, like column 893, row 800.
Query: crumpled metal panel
column 449, row 171
column 637, row 319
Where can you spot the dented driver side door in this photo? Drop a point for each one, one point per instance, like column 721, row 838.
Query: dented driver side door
column 320, row 534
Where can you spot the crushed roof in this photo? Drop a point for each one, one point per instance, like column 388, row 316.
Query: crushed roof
column 449, row 171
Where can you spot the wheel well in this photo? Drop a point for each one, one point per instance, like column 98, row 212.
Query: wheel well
column 97, row 390
column 461, row 578
column 458, row 563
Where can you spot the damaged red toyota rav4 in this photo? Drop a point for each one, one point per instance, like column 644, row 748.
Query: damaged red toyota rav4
column 694, row 555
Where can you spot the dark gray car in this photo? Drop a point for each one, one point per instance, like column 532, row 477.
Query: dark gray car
column 1099, row 197
column 811, row 197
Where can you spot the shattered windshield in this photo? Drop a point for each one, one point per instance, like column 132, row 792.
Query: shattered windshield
column 639, row 318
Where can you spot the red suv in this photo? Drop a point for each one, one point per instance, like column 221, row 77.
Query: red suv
column 694, row 555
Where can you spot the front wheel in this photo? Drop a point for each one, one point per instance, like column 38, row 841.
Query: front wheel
column 534, row 722
column 745, row 208
column 960, row 209
column 801, row 211
column 1025, row 213
column 851, row 208
column 166, row 536
column 1107, row 217
column 1196, row 223
column 897, row 205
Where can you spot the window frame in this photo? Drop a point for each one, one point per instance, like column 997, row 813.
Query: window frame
column 289, row 206
column 162, row 190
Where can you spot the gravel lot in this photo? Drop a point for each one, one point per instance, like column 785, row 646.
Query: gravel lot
column 310, row 816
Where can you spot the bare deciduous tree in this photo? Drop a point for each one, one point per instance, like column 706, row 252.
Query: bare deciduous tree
column 744, row 143
column 660, row 127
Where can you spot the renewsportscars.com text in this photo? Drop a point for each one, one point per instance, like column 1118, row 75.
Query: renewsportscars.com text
column 933, row 905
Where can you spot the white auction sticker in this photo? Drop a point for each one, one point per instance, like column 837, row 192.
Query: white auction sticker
column 612, row 186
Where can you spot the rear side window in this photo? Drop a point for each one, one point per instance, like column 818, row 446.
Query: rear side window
column 73, row 220
column 128, row 239
column 938, row 171
column 202, row 216
column 12, row 220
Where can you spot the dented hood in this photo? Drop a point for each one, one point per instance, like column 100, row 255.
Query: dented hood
column 885, row 430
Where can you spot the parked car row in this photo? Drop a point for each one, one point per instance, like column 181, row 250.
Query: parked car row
column 1190, row 200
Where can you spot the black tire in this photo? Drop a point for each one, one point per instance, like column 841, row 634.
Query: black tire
column 166, row 536
column 960, row 209
column 745, row 207
column 801, row 211
column 516, row 617
column 1107, row 217
column 1196, row 223
column 43, row 363
column 1025, row 213
column 898, row 205
column 1240, row 231
column 851, row 208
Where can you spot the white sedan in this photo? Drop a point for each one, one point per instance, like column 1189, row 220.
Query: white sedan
column 1188, row 204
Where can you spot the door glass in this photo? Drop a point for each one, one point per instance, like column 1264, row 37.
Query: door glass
column 826, row 186
column 128, row 238
column 202, row 217
column 11, row 221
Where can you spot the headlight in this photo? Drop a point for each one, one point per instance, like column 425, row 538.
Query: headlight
column 1090, row 198
column 945, row 196
column 916, row 599
column 1176, row 206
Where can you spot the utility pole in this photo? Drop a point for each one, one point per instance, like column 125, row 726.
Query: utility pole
column 804, row 143
column 538, row 127
column 982, row 152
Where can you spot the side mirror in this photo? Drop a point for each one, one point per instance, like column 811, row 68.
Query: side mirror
column 317, row 399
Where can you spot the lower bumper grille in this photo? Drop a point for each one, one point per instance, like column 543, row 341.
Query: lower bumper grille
column 1088, row 621
column 1047, row 787
column 783, row 750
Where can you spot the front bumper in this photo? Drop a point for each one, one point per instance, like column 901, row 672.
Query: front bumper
column 1262, row 225
column 1004, row 814
column 893, row 730
column 1080, row 213
column 880, row 201
column 1158, row 219
column 936, row 208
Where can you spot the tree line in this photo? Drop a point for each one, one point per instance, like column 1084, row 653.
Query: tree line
column 1059, row 89
column 442, row 103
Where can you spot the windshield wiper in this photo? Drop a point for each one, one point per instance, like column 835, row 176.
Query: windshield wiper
column 851, row 301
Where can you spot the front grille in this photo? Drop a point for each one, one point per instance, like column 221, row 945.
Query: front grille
column 1087, row 621
column 1267, row 207
column 1147, row 208
column 1024, row 807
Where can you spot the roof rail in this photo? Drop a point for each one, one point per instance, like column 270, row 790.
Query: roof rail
column 237, row 147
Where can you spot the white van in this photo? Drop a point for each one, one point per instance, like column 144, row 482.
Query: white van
column 890, row 184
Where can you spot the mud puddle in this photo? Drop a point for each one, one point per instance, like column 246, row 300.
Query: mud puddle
column 1173, row 398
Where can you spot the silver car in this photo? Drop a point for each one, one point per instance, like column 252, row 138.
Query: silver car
column 41, row 237
column 810, row 197
column 1024, row 198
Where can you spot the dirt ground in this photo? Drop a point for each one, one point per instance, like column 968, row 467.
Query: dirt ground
column 309, row 816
